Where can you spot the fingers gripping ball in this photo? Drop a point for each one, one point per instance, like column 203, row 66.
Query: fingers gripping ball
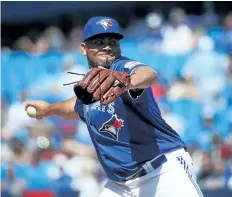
column 31, row 112
column 102, row 84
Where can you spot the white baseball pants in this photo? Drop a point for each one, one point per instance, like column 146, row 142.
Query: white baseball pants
column 175, row 178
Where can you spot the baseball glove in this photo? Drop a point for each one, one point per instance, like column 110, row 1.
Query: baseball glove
column 102, row 85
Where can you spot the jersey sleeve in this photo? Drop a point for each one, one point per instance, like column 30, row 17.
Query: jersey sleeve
column 128, row 66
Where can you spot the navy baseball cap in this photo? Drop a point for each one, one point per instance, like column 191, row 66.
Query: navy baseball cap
column 101, row 25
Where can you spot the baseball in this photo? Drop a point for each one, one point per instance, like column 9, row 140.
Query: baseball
column 31, row 112
column 43, row 142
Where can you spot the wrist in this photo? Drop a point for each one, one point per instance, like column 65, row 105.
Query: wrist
column 51, row 109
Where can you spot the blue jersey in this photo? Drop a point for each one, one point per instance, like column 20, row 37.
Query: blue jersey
column 129, row 131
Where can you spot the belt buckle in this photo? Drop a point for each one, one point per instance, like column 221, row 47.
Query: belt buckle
column 147, row 168
column 150, row 166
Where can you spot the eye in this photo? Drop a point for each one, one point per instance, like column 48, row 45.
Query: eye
column 113, row 42
column 98, row 42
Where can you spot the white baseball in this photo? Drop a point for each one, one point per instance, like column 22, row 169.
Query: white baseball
column 43, row 142
column 31, row 112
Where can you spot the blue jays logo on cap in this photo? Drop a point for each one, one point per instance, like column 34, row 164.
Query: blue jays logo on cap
column 101, row 25
column 105, row 23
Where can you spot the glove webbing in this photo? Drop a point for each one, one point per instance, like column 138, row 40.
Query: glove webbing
column 121, row 84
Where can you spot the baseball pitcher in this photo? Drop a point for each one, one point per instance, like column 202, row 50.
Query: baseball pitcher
column 140, row 153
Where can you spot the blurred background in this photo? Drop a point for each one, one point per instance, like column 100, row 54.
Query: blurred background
column 189, row 44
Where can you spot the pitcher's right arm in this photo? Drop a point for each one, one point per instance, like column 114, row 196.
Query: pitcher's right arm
column 64, row 108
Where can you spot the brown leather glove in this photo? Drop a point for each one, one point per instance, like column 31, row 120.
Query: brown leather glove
column 102, row 84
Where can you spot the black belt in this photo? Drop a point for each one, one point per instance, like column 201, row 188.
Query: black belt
column 155, row 163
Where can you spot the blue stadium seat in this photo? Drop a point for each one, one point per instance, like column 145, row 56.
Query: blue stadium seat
column 12, row 80
column 38, row 179
column 3, row 172
column 222, row 124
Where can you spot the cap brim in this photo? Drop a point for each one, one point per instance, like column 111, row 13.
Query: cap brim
column 118, row 35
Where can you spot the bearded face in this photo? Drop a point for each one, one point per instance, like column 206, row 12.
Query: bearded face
column 101, row 50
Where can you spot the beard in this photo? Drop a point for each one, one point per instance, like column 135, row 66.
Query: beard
column 104, row 63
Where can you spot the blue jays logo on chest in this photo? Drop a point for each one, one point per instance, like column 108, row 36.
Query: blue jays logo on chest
column 105, row 23
column 112, row 126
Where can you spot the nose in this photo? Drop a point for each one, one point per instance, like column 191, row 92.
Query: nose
column 107, row 49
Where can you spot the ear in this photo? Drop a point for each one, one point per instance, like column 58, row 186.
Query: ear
column 83, row 48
